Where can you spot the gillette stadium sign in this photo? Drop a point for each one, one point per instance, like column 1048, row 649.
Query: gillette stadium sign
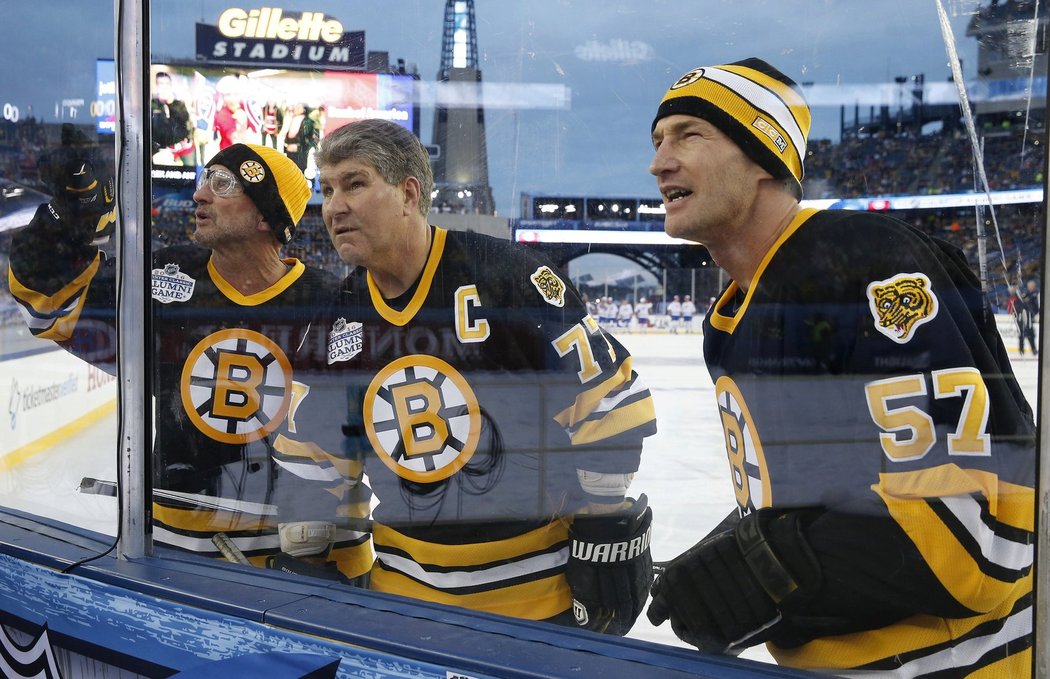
column 267, row 36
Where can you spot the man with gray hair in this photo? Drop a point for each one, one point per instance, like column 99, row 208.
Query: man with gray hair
column 498, row 425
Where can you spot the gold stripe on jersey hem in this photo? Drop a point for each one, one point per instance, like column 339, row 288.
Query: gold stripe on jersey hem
column 471, row 555
column 536, row 600
column 263, row 296
column 61, row 328
column 400, row 318
column 910, row 636
column 354, row 560
column 206, row 520
column 947, row 555
column 727, row 323
column 1011, row 503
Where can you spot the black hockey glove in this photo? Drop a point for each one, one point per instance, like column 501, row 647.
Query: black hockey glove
column 729, row 591
column 610, row 568
column 296, row 566
column 83, row 204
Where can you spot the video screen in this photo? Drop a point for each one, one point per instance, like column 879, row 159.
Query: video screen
column 104, row 104
column 197, row 111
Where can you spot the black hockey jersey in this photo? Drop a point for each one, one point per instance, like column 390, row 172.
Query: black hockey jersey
column 477, row 401
column 222, row 382
column 862, row 373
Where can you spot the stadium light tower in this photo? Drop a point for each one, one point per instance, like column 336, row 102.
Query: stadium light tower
column 459, row 41
column 461, row 171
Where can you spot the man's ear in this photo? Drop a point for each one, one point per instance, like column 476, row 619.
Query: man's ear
column 412, row 189
column 264, row 226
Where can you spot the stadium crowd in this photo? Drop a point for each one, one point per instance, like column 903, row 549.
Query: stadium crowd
column 883, row 163
column 890, row 163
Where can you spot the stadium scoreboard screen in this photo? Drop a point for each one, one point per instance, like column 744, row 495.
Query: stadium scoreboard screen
column 341, row 96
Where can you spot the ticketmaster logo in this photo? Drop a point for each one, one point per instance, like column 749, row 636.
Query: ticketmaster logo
column 27, row 398
column 623, row 51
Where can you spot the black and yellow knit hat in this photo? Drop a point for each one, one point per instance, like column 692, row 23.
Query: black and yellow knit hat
column 272, row 180
column 757, row 106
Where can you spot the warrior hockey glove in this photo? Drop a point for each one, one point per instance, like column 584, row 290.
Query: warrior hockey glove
column 728, row 592
column 83, row 205
column 296, row 566
column 610, row 569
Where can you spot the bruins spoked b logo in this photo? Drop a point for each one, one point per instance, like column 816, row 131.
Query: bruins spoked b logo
column 422, row 418
column 236, row 385
column 747, row 460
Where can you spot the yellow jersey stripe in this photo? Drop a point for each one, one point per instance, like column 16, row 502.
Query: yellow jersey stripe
column 961, row 560
column 535, row 600
column 48, row 319
column 616, row 422
column 469, row 555
column 921, row 643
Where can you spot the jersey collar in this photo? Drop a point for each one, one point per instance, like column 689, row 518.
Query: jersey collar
column 721, row 316
column 400, row 318
column 292, row 275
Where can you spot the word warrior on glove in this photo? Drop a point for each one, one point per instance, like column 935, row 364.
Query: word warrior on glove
column 728, row 591
column 610, row 568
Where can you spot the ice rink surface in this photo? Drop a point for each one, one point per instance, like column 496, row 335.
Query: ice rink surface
column 684, row 470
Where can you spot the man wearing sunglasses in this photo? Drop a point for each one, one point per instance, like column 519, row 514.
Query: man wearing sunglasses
column 229, row 317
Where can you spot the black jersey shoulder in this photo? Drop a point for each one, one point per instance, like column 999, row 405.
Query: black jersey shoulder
column 490, row 252
column 839, row 250
column 862, row 234
column 499, row 266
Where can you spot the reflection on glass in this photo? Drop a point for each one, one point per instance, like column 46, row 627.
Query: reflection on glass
column 488, row 410
column 887, row 134
column 537, row 122
column 58, row 450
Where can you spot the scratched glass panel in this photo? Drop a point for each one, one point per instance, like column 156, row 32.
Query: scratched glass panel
column 537, row 120
column 58, row 450
column 273, row 406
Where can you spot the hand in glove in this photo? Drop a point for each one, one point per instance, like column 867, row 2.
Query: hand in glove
column 610, row 568
column 730, row 590
column 83, row 204
column 313, row 567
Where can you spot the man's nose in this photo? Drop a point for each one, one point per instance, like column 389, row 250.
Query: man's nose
column 663, row 160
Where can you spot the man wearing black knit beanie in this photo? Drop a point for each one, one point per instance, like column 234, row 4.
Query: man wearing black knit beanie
column 881, row 452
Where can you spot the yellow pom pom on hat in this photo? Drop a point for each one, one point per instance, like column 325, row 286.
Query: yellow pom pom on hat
column 755, row 105
column 272, row 180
